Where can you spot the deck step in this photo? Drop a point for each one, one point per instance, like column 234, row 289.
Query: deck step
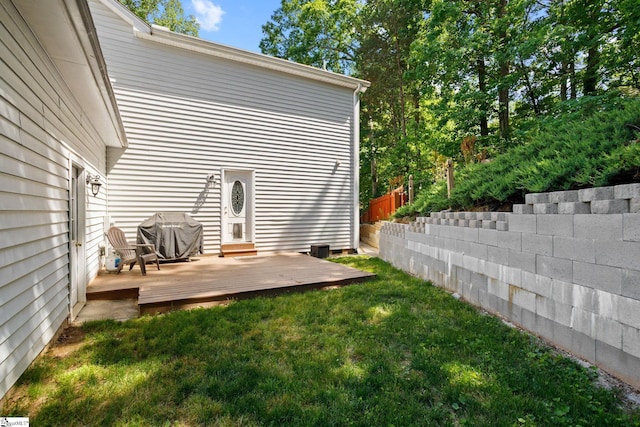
column 112, row 294
column 238, row 249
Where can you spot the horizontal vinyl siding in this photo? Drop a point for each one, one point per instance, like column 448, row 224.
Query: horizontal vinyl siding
column 41, row 125
column 187, row 115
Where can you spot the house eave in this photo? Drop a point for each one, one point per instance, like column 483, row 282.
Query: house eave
column 164, row 36
column 65, row 30
column 99, row 68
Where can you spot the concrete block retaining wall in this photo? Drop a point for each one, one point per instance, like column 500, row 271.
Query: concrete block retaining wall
column 370, row 233
column 569, row 273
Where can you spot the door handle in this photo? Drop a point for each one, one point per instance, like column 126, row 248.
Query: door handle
column 78, row 244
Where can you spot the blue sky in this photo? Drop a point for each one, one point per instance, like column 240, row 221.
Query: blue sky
column 236, row 23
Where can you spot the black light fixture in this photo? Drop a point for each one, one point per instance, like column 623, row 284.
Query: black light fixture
column 95, row 184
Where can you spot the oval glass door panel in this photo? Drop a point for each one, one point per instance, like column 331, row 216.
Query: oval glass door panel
column 237, row 197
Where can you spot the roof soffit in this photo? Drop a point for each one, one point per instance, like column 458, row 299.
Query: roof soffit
column 65, row 31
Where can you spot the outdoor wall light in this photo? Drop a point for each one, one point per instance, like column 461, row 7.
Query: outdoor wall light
column 95, row 184
column 211, row 178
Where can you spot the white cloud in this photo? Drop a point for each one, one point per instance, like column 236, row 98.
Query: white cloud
column 207, row 14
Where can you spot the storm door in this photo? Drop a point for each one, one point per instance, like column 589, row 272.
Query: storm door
column 237, row 206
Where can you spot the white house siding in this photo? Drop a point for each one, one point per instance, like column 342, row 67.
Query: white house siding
column 189, row 114
column 42, row 128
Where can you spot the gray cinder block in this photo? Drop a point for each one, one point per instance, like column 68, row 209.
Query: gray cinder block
column 488, row 237
column 538, row 324
column 571, row 208
column 616, row 206
column 502, row 225
column 583, row 321
column 631, row 340
column 498, row 216
column 555, row 268
column 629, row 312
column 480, row 281
column 522, row 223
column 597, row 193
column 602, row 277
column 533, row 198
column 523, row 209
column 609, row 331
column 579, row 343
column 537, row 243
column 634, row 205
column 554, row 310
column 619, row 363
column 510, row 275
column 563, row 291
column 545, row 208
column 497, row 254
column 487, row 224
column 618, row 254
column 631, row 227
column 563, row 196
column 524, row 299
column 470, row 234
column 627, row 191
column 598, row 227
column 555, row 225
column 498, row 288
column 606, row 304
column 574, row 249
column 537, row 284
column 631, row 284
column 525, row 261
column 510, row 240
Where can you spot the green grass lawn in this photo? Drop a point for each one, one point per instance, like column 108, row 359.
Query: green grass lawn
column 393, row 351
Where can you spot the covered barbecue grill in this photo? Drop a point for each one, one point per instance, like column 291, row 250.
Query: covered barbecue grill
column 175, row 234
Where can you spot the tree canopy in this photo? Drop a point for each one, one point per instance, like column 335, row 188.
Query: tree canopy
column 168, row 13
column 459, row 78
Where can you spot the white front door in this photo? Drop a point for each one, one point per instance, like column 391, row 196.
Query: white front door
column 77, row 258
column 237, row 206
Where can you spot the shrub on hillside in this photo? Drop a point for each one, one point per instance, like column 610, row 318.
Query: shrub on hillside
column 586, row 143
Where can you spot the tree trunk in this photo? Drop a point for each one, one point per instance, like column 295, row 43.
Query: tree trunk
column 482, row 86
column 416, row 112
column 563, row 81
column 591, row 72
column 530, row 89
column 403, row 119
column 503, row 88
column 374, row 177
column 572, row 79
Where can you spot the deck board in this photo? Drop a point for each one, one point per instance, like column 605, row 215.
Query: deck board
column 211, row 279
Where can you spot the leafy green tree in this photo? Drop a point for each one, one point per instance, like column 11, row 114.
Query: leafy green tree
column 313, row 32
column 393, row 146
column 168, row 13
column 621, row 52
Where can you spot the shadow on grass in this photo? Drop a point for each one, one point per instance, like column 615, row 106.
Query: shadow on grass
column 394, row 350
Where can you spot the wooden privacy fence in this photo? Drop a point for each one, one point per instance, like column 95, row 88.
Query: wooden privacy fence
column 383, row 207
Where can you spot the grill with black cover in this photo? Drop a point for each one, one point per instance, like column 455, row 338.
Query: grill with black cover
column 175, row 235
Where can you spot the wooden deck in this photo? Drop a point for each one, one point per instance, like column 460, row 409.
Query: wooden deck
column 210, row 280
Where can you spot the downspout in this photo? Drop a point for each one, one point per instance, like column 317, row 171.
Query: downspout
column 356, row 166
